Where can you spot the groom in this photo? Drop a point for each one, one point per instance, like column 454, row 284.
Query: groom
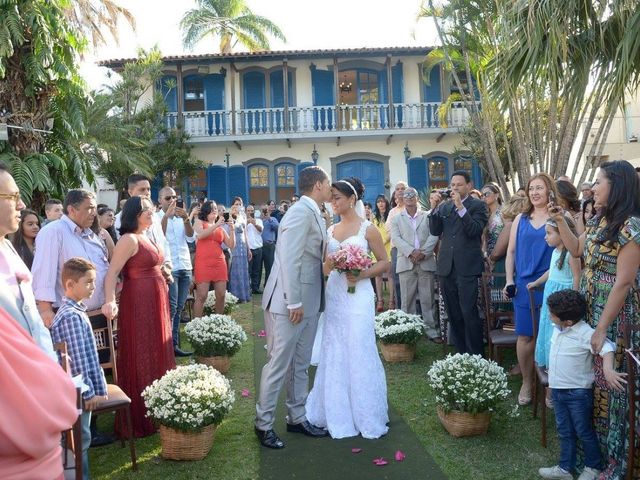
column 292, row 301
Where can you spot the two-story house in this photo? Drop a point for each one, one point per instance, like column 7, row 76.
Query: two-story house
column 258, row 118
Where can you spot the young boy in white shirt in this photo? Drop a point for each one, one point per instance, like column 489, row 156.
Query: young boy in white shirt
column 571, row 383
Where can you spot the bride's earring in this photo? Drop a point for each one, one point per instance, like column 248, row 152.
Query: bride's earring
column 351, row 205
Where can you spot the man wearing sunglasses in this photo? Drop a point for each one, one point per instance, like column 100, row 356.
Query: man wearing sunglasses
column 459, row 222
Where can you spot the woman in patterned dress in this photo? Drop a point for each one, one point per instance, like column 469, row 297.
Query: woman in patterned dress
column 611, row 246
column 239, row 281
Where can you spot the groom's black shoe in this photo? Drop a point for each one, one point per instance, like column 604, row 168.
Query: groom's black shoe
column 307, row 429
column 269, row 438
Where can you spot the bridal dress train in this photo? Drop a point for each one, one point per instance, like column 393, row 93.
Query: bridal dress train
column 349, row 395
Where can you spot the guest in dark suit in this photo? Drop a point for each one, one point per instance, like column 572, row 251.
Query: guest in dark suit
column 459, row 223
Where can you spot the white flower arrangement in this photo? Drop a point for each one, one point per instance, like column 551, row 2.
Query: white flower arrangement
column 468, row 383
column 213, row 335
column 189, row 398
column 230, row 302
column 396, row 326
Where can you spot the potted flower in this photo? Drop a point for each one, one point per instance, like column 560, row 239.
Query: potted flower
column 468, row 389
column 188, row 403
column 398, row 333
column 230, row 303
column 215, row 339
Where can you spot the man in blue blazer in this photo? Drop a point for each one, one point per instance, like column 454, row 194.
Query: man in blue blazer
column 459, row 222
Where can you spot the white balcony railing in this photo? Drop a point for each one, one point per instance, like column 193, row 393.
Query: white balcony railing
column 317, row 119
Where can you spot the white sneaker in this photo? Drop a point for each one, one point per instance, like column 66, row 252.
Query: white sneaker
column 555, row 473
column 589, row 474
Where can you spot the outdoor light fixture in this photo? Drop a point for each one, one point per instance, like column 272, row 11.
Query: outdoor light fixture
column 314, row 155
column 407, row 152
column 345, row 86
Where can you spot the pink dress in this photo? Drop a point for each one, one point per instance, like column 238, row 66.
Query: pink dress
column 37, row 403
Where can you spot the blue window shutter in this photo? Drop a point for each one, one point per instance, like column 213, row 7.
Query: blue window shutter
column 238, row 183
column 397, row 81
column 478, row 180
column 217, row 190
column 323, row 94
column 417, row 173
column 433, row 91
column 253, row 90
column 169, row 95
column 156, row 186
column 214, row 100
column 277, row 89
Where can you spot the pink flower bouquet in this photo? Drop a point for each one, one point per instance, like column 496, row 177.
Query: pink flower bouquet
column 351, row 258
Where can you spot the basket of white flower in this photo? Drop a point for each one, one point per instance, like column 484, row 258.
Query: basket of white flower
column 468, row 389
column 215, row 339
column 398, row 333
column 230, row 303
column 188, row 403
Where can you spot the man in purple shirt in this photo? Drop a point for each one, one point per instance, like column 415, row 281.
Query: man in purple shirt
column 459, row 222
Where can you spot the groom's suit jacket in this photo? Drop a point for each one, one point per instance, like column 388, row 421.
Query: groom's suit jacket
column 296, row 276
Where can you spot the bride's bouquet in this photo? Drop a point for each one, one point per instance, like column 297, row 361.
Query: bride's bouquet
column 351, row 258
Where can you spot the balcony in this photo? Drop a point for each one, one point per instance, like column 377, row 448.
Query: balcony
column 319, row 121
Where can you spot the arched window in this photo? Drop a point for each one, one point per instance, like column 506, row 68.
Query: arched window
column 285, row 181
column 438, row 174
column 258, row 184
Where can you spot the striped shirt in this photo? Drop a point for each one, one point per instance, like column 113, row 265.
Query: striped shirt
column 72, row 326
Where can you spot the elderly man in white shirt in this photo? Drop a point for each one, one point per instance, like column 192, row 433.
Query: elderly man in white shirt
column 254, row 239
column 176, row 225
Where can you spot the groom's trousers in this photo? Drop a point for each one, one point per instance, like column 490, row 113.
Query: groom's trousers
column 288, row 356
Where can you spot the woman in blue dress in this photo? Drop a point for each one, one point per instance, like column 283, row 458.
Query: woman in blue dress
column 528, row 258
column 239, row 282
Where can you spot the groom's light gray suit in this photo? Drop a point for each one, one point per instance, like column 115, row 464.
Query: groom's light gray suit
column 296, row 279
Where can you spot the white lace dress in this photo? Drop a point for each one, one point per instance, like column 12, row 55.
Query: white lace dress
column 349, row 395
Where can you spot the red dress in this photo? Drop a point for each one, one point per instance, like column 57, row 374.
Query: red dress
column 210, row 265
column 145, row 348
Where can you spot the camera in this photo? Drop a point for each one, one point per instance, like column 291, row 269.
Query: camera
column 511, row 291
column 444, row 192
column 180, row 203
column 225, row 215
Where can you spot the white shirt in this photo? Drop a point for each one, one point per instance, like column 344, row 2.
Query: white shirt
column 254, row 237
column 571, row 358
column 154, row 233
column 177, row 238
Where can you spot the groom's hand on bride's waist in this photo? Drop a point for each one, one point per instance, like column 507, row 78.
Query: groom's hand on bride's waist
column 296, row 314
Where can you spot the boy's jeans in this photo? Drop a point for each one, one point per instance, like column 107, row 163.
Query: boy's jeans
column 574, row 419
column 178, row 293
column 85, row 422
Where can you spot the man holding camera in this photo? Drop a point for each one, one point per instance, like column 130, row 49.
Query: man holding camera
column 269, row 237
column 178, row 230
column 459, row 222
column 254, row 239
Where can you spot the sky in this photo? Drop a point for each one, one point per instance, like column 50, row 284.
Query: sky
column 307, row 24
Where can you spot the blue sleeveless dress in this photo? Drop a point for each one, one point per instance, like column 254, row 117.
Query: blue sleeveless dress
column 533, row 257
column 559, row 279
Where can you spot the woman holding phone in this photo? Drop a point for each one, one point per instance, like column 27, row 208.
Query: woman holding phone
column 210, row 265
column 528, row 258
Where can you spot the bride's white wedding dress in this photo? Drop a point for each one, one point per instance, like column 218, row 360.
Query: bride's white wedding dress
column 349, row 395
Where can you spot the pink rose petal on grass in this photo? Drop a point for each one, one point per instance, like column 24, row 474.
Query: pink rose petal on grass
column 246, row 393
column 379, row 462
column 400, row 456
column 356, row 450
column 262, row 333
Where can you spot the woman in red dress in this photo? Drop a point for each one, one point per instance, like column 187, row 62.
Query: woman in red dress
column 210, row 265
column 145, row 348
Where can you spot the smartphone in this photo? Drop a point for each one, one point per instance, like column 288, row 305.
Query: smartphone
column 225, row 215
column 180, row 203
column 552, row 199
column 511, row 291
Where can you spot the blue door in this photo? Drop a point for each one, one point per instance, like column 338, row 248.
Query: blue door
column 370, row 172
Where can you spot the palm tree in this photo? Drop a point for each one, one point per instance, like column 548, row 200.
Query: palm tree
column 231, row 21
column 91, row 17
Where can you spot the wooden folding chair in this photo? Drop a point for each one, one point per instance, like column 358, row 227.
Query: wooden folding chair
column 116, row 398
column 71, row 438
column 498, row 312
column 541, row 376
column 633, row 357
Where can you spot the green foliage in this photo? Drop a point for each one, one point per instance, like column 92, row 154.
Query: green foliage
column 232, row 21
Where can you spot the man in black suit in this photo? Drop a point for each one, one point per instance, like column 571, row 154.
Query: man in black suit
column 459, row 222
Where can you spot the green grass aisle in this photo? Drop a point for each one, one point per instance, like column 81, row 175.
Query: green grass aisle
column 327, row 459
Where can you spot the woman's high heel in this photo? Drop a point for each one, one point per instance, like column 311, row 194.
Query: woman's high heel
column 380, row 306
column 392, row 304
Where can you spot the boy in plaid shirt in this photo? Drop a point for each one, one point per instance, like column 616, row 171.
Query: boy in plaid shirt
column 72, row 326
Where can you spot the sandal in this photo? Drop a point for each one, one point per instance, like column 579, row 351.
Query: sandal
column 524, row 399
column 380, row 306
column 392, row 304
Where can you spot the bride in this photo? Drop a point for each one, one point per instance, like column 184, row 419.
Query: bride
column 349, row 395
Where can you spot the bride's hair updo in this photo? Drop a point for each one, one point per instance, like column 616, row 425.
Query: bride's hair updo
column 345, row 188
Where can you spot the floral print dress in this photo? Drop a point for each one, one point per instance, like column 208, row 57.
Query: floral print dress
column 599, row 275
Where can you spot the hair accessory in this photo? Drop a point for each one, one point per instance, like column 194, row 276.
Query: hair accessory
column 350, row 186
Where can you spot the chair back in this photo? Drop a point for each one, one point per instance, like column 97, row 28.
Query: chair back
column 63, row 356
column 104, row 341
column 496, row 306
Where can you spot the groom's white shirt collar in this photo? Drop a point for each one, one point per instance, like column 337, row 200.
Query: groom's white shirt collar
column 312, row 203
